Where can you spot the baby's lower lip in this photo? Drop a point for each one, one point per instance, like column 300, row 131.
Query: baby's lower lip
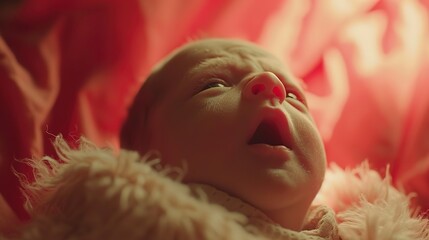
column 279, row 153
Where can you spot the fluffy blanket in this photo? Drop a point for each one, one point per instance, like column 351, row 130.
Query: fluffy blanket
column 95, row 193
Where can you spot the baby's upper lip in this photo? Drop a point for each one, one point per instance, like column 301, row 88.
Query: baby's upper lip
column 270, row 127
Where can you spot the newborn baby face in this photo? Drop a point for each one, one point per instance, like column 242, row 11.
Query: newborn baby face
column 240, row 122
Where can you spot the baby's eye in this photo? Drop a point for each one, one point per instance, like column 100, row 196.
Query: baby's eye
column 214, row 84
column 292, row 95
column 296, row 96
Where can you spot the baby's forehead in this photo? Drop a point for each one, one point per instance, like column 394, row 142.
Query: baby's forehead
column 233, row 49
column 204, row 54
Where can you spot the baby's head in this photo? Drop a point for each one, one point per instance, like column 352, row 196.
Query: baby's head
column 238, row 120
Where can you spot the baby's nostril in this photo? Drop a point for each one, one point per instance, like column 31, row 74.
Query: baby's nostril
column 257, row 88
column 278, row 92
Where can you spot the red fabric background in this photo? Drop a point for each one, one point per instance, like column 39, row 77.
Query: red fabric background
column 72, row 67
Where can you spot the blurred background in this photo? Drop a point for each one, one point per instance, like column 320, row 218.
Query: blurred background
column 73, row 67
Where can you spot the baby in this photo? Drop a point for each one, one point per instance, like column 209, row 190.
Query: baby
column 238, row 121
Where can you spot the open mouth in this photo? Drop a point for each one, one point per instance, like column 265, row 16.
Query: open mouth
column 267, row 133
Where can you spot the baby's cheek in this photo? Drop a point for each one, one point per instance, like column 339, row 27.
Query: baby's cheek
column 311, row 146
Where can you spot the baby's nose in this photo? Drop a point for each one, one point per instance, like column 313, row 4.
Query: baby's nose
column 265, row 85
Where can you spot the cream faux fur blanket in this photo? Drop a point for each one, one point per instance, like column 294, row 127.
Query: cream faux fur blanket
column 95, row 193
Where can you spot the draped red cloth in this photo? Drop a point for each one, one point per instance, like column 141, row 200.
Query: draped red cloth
column 72, row 68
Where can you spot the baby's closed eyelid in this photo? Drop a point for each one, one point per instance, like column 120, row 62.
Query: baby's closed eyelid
column 297, row 98
column 206, row 83
column 212, row 83
column 292, row 95
column 293, row 88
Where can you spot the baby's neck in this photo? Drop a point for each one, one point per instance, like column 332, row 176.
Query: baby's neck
column 319, row 224
column 255, row 216
column 229, row 202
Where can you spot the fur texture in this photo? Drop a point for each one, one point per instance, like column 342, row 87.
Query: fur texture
column 94, row 193
column 369, row 207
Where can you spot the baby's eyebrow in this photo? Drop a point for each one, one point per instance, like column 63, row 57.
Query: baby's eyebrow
column 211, row 62
column 301, row 84
column 298, row 83
column 211, row 66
